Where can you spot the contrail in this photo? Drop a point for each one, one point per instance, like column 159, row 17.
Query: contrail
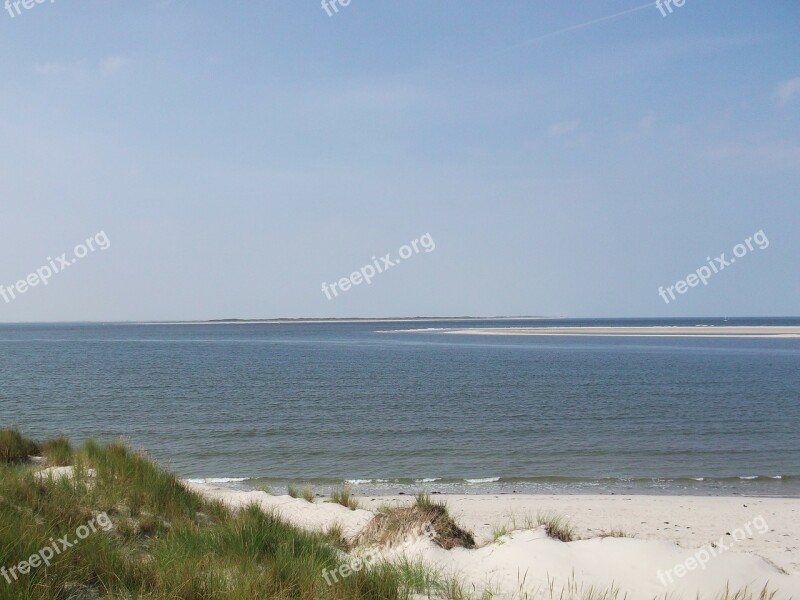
column 559, row 32
column 582, row 25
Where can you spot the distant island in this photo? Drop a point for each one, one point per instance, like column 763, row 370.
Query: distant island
column 280, row 320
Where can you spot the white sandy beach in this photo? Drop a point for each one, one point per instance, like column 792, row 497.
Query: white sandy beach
column 666, row 331
column 665, row 532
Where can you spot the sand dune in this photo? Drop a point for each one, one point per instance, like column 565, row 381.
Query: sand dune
column 668, row 531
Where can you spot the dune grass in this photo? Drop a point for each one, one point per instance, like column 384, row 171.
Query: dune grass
column 57, row 452
column 166, row 541
column 293, row 490
column 14, row 447
column 500, row 531
column 344, row 495
column 306, row 493
column 424, row 500
column 614, row 533
column 557, row 526
column 747, row 594
column 426, row 517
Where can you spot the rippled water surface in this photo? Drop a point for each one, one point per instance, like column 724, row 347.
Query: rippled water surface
column 392, row 411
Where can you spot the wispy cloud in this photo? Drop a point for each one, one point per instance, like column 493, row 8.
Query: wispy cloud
column 787, row 91
column 563, row 128
column 56, row 68
column 112, row 64
column 107, row 66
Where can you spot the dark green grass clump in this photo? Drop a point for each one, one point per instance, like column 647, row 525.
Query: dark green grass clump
column 14, row 447
column 58, row 452
column 344, row 495
column 166, row 541
column 425, row 517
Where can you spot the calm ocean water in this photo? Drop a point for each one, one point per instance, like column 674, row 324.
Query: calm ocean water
column 321, row 402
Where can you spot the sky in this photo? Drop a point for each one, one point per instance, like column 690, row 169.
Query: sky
column 556, row 157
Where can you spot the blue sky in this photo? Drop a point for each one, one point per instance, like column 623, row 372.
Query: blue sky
column 237, row 155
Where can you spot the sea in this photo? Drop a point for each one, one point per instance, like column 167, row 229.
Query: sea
column 402, row 406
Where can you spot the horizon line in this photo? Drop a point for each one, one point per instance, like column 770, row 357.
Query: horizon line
column 286, row 320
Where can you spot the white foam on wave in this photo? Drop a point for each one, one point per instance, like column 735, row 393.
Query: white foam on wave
column 420, row 330
column 749, row 477
column 363, row 481
column 218, row 480
column 484, row 480
column 427, row 480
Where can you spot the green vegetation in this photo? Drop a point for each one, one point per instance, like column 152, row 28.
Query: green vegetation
column 747, row 594
column 166, row 542
column 394, row 525
column 14, row 447
column 344, row 496
column 293, row 490
column 307, row 493
column 58, row 452
column 557, row 526
column 614, row 533
column 423, row 500
column 499, row 532
column 157, row 540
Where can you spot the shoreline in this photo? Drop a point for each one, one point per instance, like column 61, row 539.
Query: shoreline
column 781, row 486
column 716, row 331
column 691, row 518
column 660, row 532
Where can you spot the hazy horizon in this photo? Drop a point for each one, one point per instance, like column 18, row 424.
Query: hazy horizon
column 256, row 320
column 535, row 158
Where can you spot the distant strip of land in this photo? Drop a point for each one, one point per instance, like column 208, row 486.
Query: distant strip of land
column 666, row 331
column 286, row 321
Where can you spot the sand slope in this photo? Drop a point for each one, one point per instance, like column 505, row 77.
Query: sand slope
column 689, row 521
column 526, row 563
column 319, row 516
column 529, row 563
